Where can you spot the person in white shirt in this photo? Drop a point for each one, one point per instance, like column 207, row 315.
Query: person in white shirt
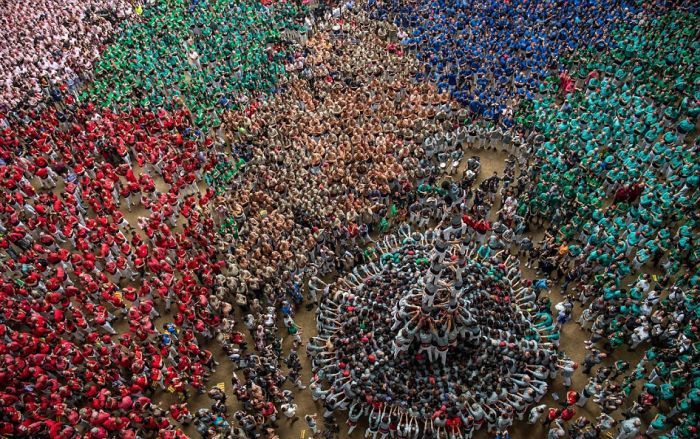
column 629, row 428
column 536, row 413
column 311, row 422
column 289, row 409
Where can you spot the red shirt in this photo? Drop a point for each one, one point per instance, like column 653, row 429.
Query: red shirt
column 567, row 414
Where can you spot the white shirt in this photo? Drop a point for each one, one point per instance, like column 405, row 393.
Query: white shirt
column 289, row 410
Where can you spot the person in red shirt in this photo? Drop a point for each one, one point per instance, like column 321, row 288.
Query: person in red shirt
column 622, row 194
column 552, row 415
column 568, row 413
column 572, row 397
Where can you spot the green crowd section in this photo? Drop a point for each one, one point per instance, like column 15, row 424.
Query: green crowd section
column 208, row 56
column 628, row 127
column 662, row 56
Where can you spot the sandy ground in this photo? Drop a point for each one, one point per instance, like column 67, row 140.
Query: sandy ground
column 572, row 342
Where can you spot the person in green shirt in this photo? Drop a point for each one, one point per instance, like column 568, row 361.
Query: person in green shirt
column 657, row 425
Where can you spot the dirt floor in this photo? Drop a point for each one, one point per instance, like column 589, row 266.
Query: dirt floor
column 572, row 342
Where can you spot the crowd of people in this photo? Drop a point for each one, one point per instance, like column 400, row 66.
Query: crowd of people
column 82, row 287
column 210, row 55
column 48, row 44
column 504, row 49
column 331, row 154
column 75, row 267
column 387, row 329
column 223, row 160
column 625, row 135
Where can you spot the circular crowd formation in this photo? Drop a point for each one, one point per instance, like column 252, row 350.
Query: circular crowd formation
column 429, row 327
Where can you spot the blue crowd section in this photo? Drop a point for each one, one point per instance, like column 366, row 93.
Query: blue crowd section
column 490, row 54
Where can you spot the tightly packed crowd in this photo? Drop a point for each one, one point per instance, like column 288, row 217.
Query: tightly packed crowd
column 503, row 49
column 210, row 56
column 47, row 44
column 180, row 175
column 442, row 303
column 73, row 267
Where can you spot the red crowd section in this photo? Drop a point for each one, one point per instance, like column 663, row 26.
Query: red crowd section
column 74, row 268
